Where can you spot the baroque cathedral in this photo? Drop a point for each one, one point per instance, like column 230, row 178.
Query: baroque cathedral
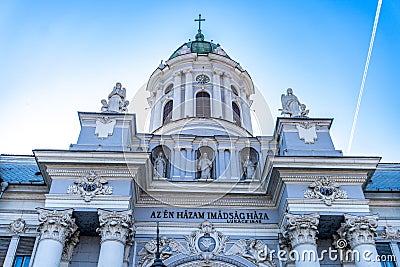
column 199, row 188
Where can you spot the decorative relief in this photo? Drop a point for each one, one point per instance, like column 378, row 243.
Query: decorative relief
column 206, row 242
column 104, row 127
column 167, row 248
column 115, row 225
column 391, row 232
column 69, row 246
column 325, row 189
column 359, row 230
column 300, row 229
column 56, row 224
column 18, row 226
column 307, row 132
column 253, row 250
column 89, row 186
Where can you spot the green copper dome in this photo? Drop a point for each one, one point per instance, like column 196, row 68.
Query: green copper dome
column 200, row 47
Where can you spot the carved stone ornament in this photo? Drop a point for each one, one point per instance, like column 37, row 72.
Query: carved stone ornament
column 300, row 229
column 115, row 225
column 104, row 127
column 253, row 250
column 89, row 186
column 18, row 226
column 391, row 232
column 359, row 230
column 206, row 242
column 56, row 224
column 168, row 247
column 326, row 190
column 307, row 132
column 69, row 246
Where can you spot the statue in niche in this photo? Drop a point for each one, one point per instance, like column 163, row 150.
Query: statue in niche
column 291, row 105
column 204, row 166
column 116, row 100
column 160, row 165
column 248, row 168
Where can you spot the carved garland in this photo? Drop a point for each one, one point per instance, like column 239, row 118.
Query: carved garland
column 326, row 190
column 89, row 186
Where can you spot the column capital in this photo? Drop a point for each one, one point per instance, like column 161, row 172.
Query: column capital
column 69, row 247
column 56, row 224
column 187, row 71
column 359, row 230
column 115, row 225
column 218, row 72
column 177, row 74
column 301, row 229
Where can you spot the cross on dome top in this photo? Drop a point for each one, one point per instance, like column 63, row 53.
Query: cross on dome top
column 199, row 35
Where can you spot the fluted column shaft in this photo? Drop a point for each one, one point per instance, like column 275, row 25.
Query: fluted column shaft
column 360, row 233
column 158, row 112
column 217, row 105
column 55, row 227
column 300, row 232
column 176, row 112
column 115, row 229
column 228, row 97
column 189, row 99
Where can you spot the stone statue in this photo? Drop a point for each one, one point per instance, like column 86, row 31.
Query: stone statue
column 248, row 168
column 116, row 100
column 291, row 105
column 204, row 166
column 160, row 165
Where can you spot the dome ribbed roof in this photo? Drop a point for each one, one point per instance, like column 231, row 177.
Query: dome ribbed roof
column 200, row 47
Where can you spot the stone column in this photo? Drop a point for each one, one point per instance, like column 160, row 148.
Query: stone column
column 55, row 227
column 176, row 112
column 189, row 102
column 216, row 101
column 228, row 97
column 221, row 163
column 189, row 169
column 68, row 250
column 360, row 233
column 12, row 249
column 234, row 163
column 115, row 229
column 300, row 233
column 158, row 112
column 176, row 163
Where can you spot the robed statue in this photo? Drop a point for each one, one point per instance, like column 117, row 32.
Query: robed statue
column 248, row 168
column 204, row 165
column 291, row 105
column 116, row 100
column 160, row 165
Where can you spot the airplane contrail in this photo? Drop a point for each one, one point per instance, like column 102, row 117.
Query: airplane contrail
column 371, row 45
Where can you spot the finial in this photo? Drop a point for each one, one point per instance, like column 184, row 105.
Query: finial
column 157, row 261
column 199, row 35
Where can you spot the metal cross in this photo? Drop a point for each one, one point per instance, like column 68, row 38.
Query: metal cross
column 200, row 20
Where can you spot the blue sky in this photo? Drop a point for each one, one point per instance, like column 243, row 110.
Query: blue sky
column 58, row 57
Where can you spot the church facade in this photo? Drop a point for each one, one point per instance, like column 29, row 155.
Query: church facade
column 221, row 196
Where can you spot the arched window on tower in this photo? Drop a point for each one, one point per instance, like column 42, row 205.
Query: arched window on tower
column 234, row 90
column 203, row 105
column 167, row 114
column 236, row 114
column 169, row 88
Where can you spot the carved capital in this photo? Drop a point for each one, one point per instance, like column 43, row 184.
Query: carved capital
column 56, row 224
column 115, row 225
column 69, row 246
column 359, row 230
column 301, row 229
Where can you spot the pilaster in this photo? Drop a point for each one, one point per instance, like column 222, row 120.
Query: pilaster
column 176, row 112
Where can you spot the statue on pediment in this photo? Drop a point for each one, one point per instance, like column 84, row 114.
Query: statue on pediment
column 291, row 105
column 116, row 100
